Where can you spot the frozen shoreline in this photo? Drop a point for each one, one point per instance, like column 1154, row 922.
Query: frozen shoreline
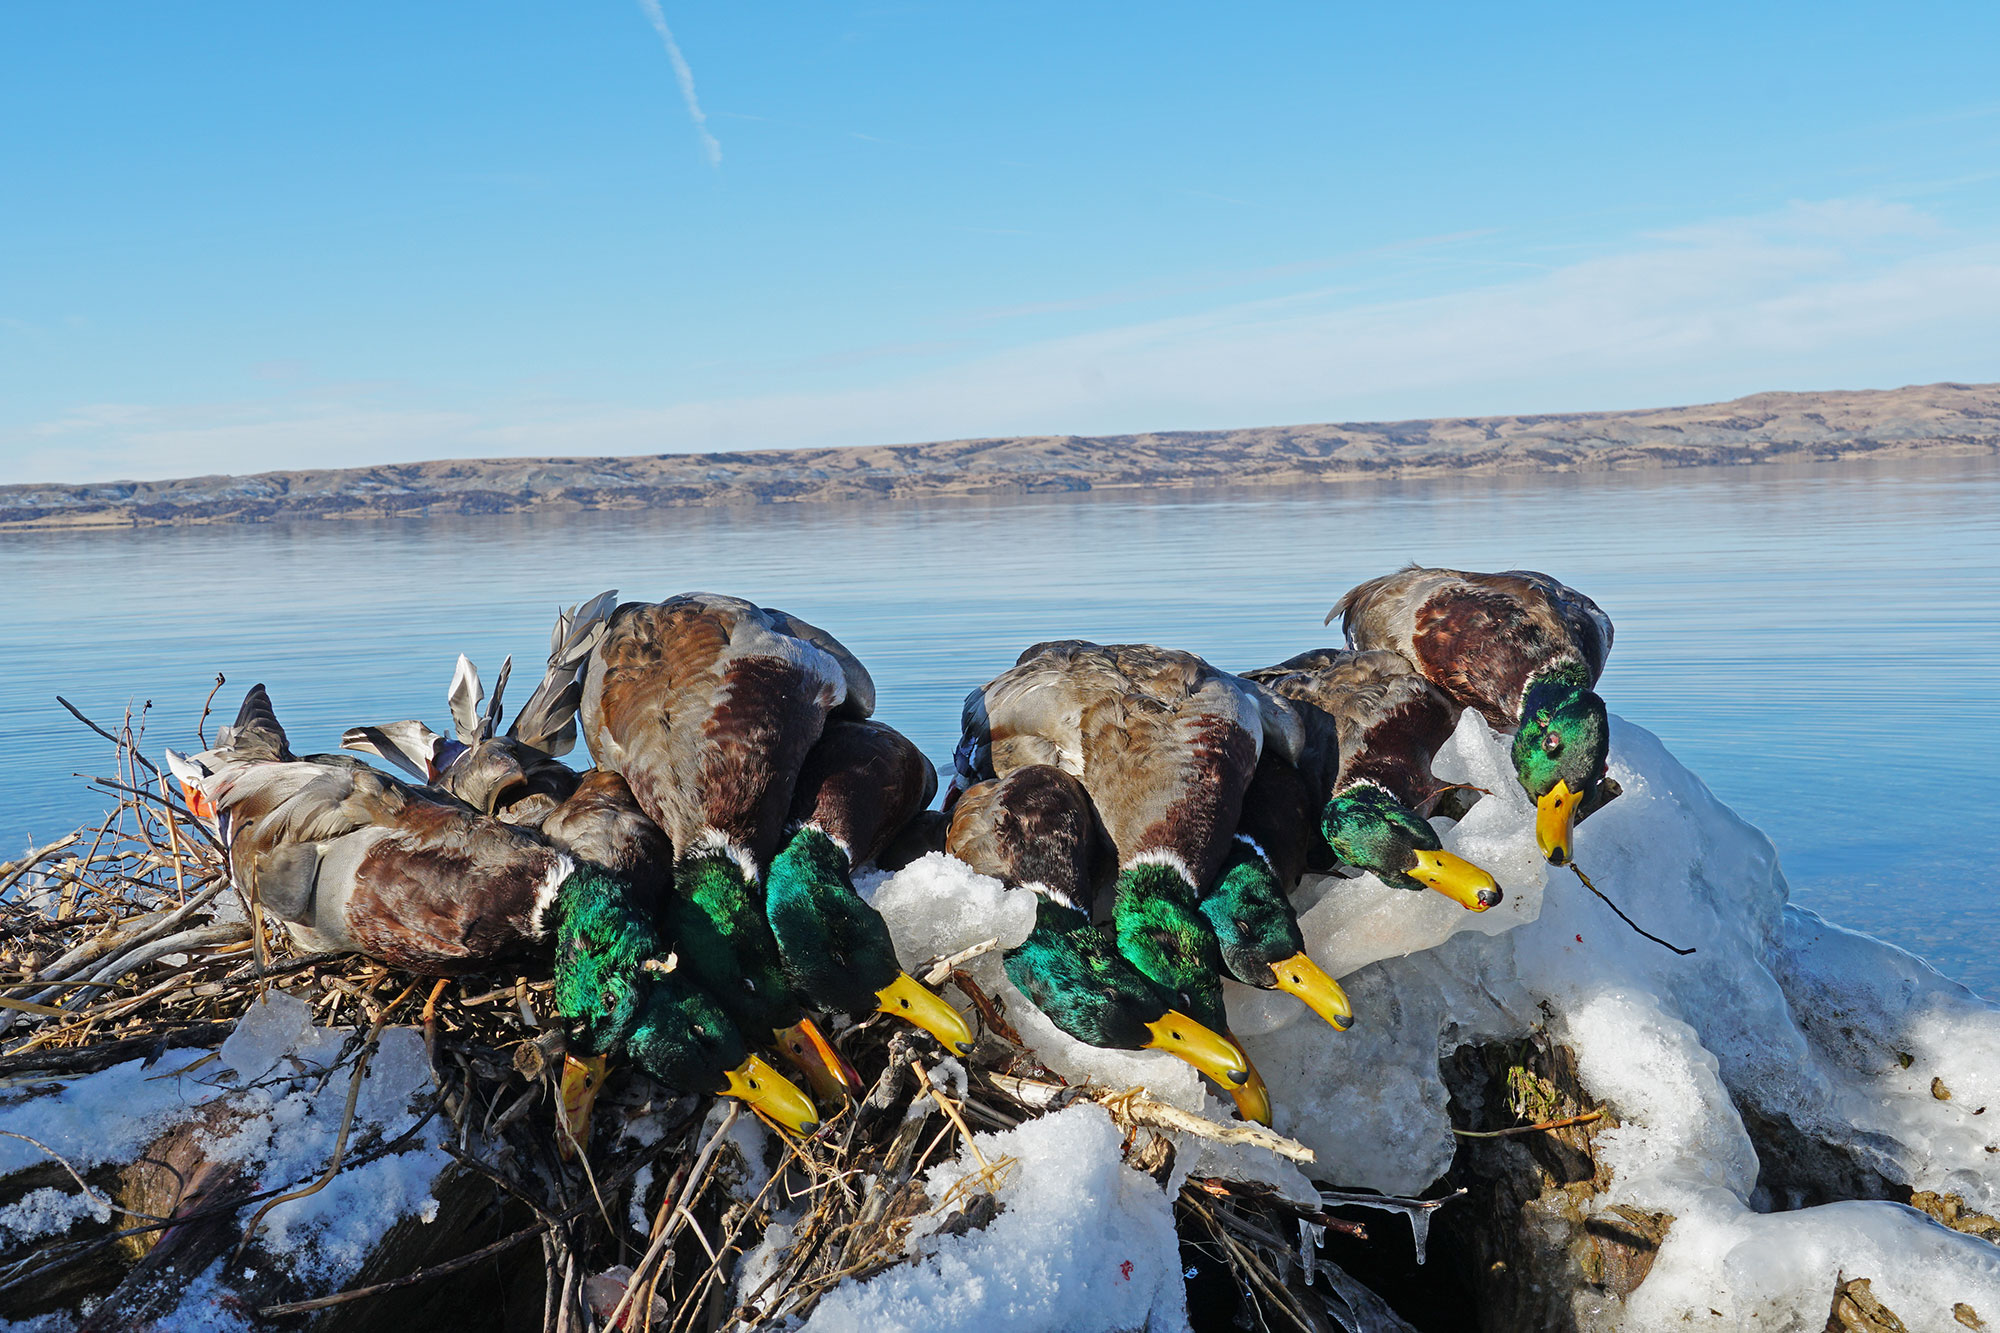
column 1862, row 1055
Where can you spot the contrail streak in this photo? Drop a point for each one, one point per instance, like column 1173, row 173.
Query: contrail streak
column 710, row 149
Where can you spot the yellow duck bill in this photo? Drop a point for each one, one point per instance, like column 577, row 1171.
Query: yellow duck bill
column 1210, row 1052
column 1457, row 879
column 1253, row 1099
column 577, row 1094
column 772, row 1095
column 907, row 999
column 1302, row 977
column 1555, row 822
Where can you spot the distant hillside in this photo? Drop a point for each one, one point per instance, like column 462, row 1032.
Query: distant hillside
column 1763, row 428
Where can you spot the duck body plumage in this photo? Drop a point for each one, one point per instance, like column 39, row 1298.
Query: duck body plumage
column 1369, row 716
column 860, row 783
column 1165, row 747
column 1479, row 637
column 352, row 859
column 601, row 822
column 1031, row 829
column 715, row 711
column 1523, row 650
column 1373, row 724
column 1164, row 743
column 707, row 706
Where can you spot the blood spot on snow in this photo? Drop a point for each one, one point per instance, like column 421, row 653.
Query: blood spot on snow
column 1579, row 939
column 1125, row 1270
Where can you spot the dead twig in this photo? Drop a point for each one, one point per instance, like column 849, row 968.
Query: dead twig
column 1563, row 1123
column 206, row 704
column 450, row 1266
column 1672, row 948
column 123, row 746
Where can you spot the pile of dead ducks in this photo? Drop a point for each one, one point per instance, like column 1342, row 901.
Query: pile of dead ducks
column 692, row 895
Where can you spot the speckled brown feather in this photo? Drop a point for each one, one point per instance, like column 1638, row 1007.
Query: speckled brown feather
column 1163, row 742
column 1388, row 721
column 707, row 706
column 860, row 784
column 1478, row 637
column 356, row 860
column 1032, row 827
column 602, row 823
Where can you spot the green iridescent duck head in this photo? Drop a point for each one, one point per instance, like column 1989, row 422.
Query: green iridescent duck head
column 1091, row 991
column 1371, row 830
column 1560, row 753
column 1157, row 919
column 616, row 997
column 836, row 948
column 1258, row 934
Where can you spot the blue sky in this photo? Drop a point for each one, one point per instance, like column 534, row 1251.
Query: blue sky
column 237, row 236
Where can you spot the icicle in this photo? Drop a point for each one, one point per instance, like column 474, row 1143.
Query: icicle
column 1417, row 1210
column 1309, row 1238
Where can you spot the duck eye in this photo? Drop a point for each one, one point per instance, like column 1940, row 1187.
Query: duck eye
column 1553, row 742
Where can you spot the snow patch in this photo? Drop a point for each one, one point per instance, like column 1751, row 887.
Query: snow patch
column 280, row 1122
column 1081, row 1241
column 49, row 1212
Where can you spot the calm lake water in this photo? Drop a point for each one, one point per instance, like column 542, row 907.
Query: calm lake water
column 1821, row 644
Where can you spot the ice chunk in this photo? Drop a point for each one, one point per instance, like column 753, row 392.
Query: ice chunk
column 269, row 1030
column 1855, row 1043
column 1082, row 1241
column 290, row 1132
column 937, row 905
column 761, row 1263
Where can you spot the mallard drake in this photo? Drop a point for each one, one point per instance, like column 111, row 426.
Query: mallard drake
column 517, row 777
column 1249, row 904
column 1165, row 745
column 709, row 706
column 1523, row 650
column 859, row 785
column 1034, row 829
column 354, row 860
column 1372, row 726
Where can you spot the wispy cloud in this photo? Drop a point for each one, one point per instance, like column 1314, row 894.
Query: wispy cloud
column 710, row 149
column 1836, row 295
